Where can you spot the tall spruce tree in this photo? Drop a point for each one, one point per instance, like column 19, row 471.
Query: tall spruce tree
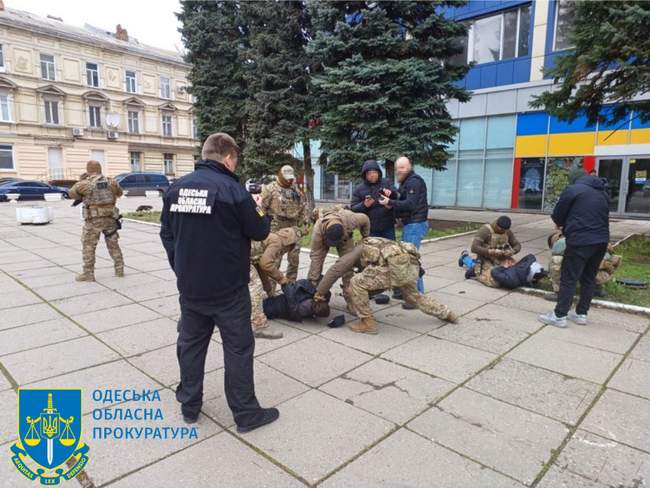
column 214, row 34
column 609, row 63
column 280, row 104
column 385, row 80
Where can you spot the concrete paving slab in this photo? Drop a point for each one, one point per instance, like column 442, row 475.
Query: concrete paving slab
column 596, row 335
column 621, row 417
column 8, row 423
column 27, row 314
column 642, row 350
column 511, row 440
column 475, row 290
column 567, row 358
column 486, row 335
column 542, row 391
column 37, row 335
column 590, row 461
column 89, row 303
column 272, row 388
column 444, row 359
column 388, row 337
column 512, row 318
column 314, row 360
column 412, row 320
column 56, row 359
column 18, row 298
column 428, row 465
column 289, row 335
column 142, row 337
column 115, row 317
column 220, row 459
column 388, row 390
column 316, row 434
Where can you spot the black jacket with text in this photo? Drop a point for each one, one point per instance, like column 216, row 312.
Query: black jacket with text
column 207, row 223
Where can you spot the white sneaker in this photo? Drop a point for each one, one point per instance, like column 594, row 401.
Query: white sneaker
column 551, row 319
column 577, row 318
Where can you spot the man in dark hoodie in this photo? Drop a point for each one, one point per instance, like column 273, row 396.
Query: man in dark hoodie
column 365, row 199
column 582, row 214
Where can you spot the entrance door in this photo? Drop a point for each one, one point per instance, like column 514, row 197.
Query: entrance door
column 611, row 170
column 55, row 163
column 637, row 186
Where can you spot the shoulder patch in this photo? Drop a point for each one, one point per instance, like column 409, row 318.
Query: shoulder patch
column 260, row 212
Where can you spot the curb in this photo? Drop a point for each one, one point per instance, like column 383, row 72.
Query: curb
column 621, row 307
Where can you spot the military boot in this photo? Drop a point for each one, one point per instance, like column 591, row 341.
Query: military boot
column 119, row 272
column 86, row 276
column 365, row 325
column 451, row 317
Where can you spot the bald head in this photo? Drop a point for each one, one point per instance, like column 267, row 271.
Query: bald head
column 93, row 167
column 403, row 167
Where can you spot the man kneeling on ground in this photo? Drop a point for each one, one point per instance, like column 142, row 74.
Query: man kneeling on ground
column 494, row 245
column 384, row 264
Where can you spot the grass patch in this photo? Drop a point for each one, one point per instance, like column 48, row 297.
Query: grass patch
column 635, row 264
column 153, row 216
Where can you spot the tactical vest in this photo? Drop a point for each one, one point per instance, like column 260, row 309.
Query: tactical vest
column 401, row 258
column 286, row 203
column 498, row 241
column 100, row 200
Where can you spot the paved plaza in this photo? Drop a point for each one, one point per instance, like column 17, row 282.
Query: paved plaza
column 495, row 401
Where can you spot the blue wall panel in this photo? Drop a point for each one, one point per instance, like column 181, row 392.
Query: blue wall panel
column 476, row 8
column 578, row 125
column 532, row 123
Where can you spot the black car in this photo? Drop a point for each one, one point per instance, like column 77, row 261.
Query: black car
column 139, row 183
column 29, row 189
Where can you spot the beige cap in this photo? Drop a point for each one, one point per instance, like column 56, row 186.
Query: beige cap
column 287, row 172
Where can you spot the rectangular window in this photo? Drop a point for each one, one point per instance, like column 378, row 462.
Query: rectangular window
column 498, row 178
column 136, row 161
column 470, row 178
column 165, row 88
column 195, row 128
column 444, row 185
column 130, row 81
column 5, row 108
column 2, row 58
column 47, row 67
column 92, row 74
column 531, row 183
column 133, row 122
column 563, row 25
column 167, row 125
column 51, row 112
column 6, row 157
column 94, row 116
column 168, row 162
column 501, row 36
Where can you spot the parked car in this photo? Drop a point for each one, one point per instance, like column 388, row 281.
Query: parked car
column 29, row 190
column 139, row 183
column 6, row 180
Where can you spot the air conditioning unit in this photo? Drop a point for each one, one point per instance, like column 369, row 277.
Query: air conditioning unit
column 77, row 132
column 113, row 134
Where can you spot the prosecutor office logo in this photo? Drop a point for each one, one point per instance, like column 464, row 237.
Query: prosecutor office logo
column 49, row 429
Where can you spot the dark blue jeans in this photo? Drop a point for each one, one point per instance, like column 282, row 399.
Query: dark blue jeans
column 414, row 233
column 388, row 233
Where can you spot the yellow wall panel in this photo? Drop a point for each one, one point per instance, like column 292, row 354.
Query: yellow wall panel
column 608, row 138
column 576, row 143
column 640, row 136
column 530, row 146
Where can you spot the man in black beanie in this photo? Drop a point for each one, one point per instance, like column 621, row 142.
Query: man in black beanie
column 494, row 245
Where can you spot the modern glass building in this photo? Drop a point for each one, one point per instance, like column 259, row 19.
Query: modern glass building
column 508, row 155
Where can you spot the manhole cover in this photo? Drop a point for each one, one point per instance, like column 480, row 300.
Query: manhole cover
column 632, row 283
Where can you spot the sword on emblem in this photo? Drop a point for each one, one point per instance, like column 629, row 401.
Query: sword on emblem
column 50, row 427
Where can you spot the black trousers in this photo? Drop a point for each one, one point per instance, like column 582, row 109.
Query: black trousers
column 198, row 319
column 580, row 264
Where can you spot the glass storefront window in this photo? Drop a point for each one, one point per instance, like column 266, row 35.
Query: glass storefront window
column 444, row 185
column 563, row 25
column 472, row 134
column 498, row 178
column 560, row 172
column 531, row 183
column 470, row 179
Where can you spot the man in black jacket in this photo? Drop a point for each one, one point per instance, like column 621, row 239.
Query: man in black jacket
column 582, row 213
column 365, row 199
column 412, row 206
column 207, row 223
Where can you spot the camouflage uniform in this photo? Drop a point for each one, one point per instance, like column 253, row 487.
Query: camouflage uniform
column 487, row 239
column 608, row 265
column 319, row 248
column 288, row 208
column 386, row 264
column 99, row 194
column 264, row 255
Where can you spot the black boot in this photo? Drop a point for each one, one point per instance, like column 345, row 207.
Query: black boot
column 470, row 273
column 266, row 416
column 397, row 294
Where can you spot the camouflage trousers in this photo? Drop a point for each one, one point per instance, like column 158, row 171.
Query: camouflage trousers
column 293, row 256
column 256, row 290
column 485, row 273
column 90, row 233
column 605, row 272
column 374, row 278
